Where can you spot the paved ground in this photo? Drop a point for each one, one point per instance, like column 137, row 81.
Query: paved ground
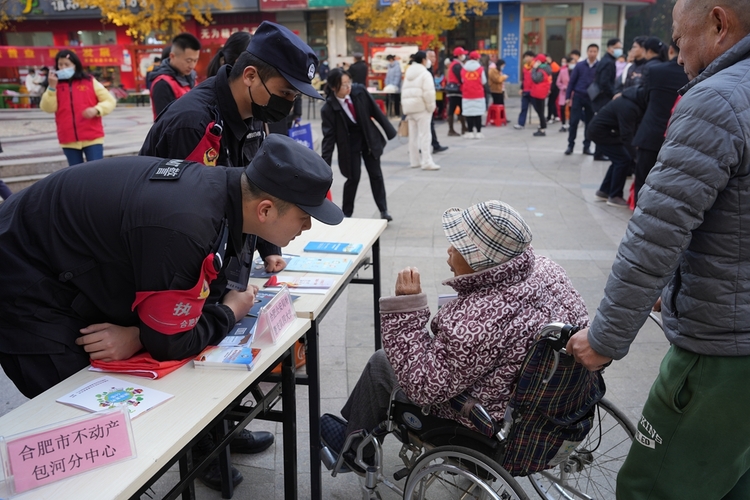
column 555, row 193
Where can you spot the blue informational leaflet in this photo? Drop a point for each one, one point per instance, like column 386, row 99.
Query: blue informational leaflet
column 318, row 265
column 333, row 247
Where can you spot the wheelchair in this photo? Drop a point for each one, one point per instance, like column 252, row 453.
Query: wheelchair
column 558, row 430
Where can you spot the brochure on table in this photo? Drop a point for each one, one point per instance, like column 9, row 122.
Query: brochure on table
column 236, row 351
column 105, row 393
column 333, row 247
column 324, row 265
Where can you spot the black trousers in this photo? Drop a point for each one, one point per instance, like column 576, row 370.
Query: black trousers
column 614, row 181
column 394, row 103
column 645, row 161
column 581, row 108
column 473, row 122
column 435, row 142
column 552, row 99
column 454, row 101
column 539, row 108
column 358, row 149
column 498, row 98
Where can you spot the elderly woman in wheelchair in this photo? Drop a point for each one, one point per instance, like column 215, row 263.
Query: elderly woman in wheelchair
column 454, row 386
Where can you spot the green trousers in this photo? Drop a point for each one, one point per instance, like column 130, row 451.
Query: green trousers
column 693, row 439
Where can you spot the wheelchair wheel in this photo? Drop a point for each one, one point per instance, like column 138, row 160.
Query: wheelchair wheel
column 592, row 468
column 453, row 472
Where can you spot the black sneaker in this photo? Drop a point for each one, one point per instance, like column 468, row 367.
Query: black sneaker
column 540, row 133
column 587, row 151
column 600, row 157
column 386, row 216
column 601, row 196
column 569, row 151
column 439, row 149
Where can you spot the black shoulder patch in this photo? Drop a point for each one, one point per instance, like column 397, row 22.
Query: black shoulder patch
column 169, row 170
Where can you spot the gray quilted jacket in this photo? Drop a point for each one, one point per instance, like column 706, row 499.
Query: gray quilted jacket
column 690, row 231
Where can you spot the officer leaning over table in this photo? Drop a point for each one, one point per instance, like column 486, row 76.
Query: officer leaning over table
column 114, row 256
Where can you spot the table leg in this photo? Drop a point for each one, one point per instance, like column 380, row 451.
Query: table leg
column 289, row 403
column 313, row 376
column 376, row 291
column 186, row 463
column 227, row 486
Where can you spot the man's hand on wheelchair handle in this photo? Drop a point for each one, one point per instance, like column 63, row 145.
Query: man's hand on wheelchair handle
column 579, row 347
column 407, row 282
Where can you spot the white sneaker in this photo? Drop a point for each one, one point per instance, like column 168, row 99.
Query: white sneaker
column 414, row 166
column 431, row 166
column 479, row 135
column 471, row 135
column 518, row 127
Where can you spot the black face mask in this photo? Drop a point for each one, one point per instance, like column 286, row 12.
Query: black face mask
column 276, row 110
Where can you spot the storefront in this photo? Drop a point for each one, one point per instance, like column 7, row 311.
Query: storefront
column 557, row 28
column 480, row 33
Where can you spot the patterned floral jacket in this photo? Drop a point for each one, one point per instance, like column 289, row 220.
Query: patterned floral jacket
column 480, row 339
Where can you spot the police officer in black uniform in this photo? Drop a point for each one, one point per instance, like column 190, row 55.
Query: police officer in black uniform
column 262, row 85
column 101, row 260
column 220, row 122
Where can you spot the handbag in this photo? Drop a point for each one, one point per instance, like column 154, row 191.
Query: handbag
column 593, row 91
column 452, row 88
column 403, row 128
column 302, row 134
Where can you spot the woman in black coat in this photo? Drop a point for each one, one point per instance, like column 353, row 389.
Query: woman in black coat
column 356, row 137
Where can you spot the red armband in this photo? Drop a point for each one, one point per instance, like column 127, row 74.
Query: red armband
column 176, row 311
column 207, row 150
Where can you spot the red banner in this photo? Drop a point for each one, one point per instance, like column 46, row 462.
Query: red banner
column 271, row 5
column 93, row 55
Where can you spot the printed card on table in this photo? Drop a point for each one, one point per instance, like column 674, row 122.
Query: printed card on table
column 109, row 392
column 275, row 316
column 42, row 456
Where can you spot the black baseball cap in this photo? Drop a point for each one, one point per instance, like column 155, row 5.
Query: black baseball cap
column 279, row 47
column 286, row 169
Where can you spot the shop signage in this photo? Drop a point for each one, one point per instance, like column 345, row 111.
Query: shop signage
column 220, row 33
column 329, row 3
column 93, row 55
column 510, row 45
column 282, row 4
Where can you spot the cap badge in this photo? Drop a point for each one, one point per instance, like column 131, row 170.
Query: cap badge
column 311, row 71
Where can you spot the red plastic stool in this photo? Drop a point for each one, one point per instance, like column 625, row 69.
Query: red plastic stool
column 381, row 105
column 496, row 115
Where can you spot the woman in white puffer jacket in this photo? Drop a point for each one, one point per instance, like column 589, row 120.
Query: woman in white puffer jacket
column 418, row 104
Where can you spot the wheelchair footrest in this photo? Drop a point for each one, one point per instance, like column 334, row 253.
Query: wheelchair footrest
column 327, row 457
column 400, row 474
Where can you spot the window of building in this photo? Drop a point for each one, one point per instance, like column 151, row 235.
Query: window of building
column 31, row 39
column 477, row 33
column 317, row 32
column 352, row 45
column 610, row 23
column 552, row 29
column 83, row 38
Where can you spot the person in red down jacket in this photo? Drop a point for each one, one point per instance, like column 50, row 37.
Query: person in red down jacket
column 477, row 342
column 541, row 83
column 78, row 101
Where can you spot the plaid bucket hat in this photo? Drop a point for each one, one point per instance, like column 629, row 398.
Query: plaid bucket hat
column 486, row 234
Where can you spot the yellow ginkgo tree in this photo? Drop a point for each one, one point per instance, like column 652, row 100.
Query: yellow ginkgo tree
column 7, row 17
column 143, row 17
column 411, row 17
